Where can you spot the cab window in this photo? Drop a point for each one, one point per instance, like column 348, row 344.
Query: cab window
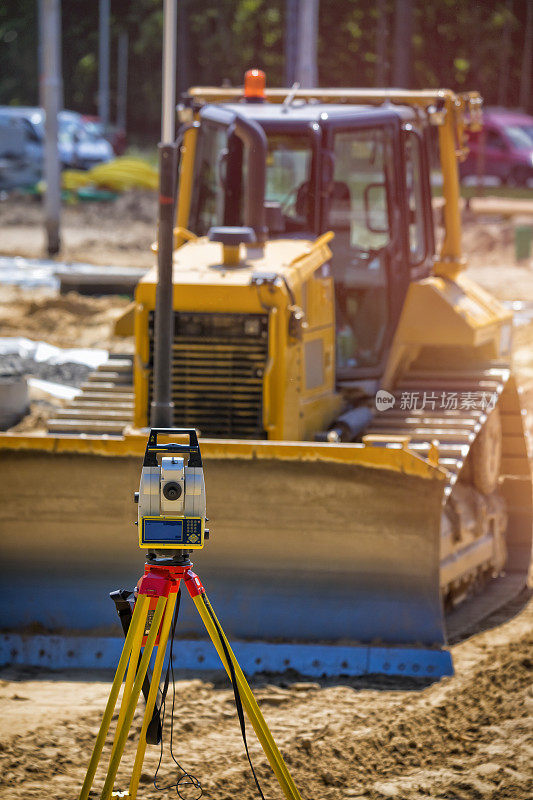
column 359, row 215
column 288, row 188
column 208, row 196
column 221, row 166
column 415, row 198
column 288, row 179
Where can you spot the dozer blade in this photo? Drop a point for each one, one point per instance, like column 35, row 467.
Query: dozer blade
column 309, row 542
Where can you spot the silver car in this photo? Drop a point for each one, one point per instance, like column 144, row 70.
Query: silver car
column 79, row 145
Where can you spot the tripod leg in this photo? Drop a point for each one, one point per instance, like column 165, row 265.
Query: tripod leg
column 154, row 686
column 128, row 685
column 138, row 621
column 120, row 742
column 253, row 711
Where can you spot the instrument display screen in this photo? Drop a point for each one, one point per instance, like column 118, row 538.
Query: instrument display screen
column 163, row 532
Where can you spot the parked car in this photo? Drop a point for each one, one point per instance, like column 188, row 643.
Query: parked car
column 115, row 136
column 20, row 162
column 79, row 146
column 503, row 149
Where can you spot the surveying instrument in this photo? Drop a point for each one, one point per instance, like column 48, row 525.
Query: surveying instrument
column 171, row 520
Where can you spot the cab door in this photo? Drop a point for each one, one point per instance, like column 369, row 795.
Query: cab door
column 363, row 204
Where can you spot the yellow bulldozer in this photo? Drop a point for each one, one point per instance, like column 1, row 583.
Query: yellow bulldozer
column 365, row 456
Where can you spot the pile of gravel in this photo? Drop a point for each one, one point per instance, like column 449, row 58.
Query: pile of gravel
column 69, row 374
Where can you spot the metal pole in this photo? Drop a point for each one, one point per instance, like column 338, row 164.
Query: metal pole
column 306, row 60
column 103, row 64
column 403, row 30
column 291, row 40
column 162, row 406
column 170, row 26
column 51, row 85
column 122, row 80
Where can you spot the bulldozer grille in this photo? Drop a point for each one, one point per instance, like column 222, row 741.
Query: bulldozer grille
column 218, row 364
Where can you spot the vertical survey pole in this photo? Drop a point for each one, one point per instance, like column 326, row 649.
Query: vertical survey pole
column 403, row 48
column 291, row 40
column 168, row 100
column 103, row 64
column 162, row 406
column 51, row 83
column 306, row 58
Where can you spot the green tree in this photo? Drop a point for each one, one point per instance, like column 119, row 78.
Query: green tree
column 19, row 78
column 454, row 43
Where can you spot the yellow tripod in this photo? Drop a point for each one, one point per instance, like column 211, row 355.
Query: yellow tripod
column 149, row 628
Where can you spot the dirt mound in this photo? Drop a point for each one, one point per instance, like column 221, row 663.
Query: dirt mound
column 70, row 320
column 448, row 749
column 36, row 421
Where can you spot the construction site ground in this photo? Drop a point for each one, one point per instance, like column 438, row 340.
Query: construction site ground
column 468, row 737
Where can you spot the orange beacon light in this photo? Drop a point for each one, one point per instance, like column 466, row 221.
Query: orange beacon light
column 254, row 84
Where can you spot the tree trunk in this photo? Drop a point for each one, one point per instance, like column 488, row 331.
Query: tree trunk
column 382, row 71
column 505, row 55
column 525, row 80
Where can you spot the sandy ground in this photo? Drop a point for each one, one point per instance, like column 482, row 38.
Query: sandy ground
column 118, row 233
column 469, row 737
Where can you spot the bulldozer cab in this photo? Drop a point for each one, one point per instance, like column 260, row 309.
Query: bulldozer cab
column 360, row 172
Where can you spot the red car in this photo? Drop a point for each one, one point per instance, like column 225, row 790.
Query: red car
column 503, row 149
column 115, row 136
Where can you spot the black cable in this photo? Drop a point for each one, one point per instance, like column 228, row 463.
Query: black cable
column 154, row 730
column 233, row 678
column 186, row 779
column 193, row 781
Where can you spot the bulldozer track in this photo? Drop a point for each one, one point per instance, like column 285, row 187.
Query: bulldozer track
column 453, row 429
column 105, row 402
column 464, row 620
